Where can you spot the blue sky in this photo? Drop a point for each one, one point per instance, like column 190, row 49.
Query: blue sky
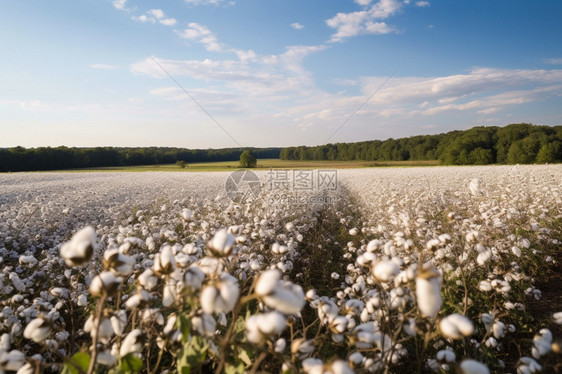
column 272, row 72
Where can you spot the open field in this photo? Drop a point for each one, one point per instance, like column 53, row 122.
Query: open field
column 264, row 164
column 393, row 269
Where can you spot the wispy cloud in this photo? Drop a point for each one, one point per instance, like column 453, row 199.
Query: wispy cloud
column 155, row 15
column 201, row 34
column 297, row 26
column 119, row 4
column 553, row 61
column 104, row 66
column 422, row 4
column 366, row 21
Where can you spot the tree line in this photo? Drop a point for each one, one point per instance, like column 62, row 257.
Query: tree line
column 520, row 143
column 60, row 158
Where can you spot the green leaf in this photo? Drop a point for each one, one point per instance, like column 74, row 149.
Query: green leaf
column 243, row 355
column 131, row 364
column 184, row 327
column 192, row 354
column 80, row 360
column 231, row 369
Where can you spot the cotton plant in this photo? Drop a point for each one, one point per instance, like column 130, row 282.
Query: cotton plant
column 430, row 270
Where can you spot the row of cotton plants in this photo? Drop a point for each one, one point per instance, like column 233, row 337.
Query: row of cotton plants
column 161, row 272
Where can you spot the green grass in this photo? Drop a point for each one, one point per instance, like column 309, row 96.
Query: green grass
column 265, row 164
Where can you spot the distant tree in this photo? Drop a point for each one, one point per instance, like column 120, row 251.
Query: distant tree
column 248, row 159
column 181, row 163
column 481, row 156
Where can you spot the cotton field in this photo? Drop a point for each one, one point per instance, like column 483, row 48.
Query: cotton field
column 393, row 270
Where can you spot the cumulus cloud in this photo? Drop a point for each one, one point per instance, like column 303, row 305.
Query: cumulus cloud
column 155, row 15
column 104, row 66
column 119, row 4
column 201, row 34
column 366, row 21
column 297, row 26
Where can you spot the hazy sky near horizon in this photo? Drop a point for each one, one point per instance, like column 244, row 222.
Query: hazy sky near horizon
column 272, row 72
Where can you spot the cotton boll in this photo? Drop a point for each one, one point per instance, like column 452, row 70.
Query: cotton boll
column 38, row 329
column 473, row 367
column 385, row 271
column 428, row 291
column 221, row 295
column 456, row 326
column 105, row 284
column 222, row 244
column 133, row 343
column 80, row 248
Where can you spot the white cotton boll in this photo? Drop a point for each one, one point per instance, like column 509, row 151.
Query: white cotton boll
column 456, row 326
column 499, row 329
column 132, row 343
column 340, row 367
column 80, row 248
column 287, row 298
column 446, row 355
column 118, row 262
column 385, row 271
column 30, row 261
column 169, row 294
column 528, row 366
column 38, row 330
column 485, row 286
column 204, row 324
column 267, row 281
column 222, row 243
column 353, row 232
column 164, row 261
column 428, row 291
column 474, row 187
column 280, row 345
column 220, row 296
column 491, row 342
column 186, row 214
column 119, row 322
column 147, row 279
column 516, row 251
column 484, row 256
column 59, row 292
column 472, row 236
column 501, row 286
column 12, row 360
column 473, row 367
column 487, row 320
column 106, row 358
column 557, row 318
column 28, row 368
column 542, row 344
column 193, row 278
column 82, row 300
column 106, row 283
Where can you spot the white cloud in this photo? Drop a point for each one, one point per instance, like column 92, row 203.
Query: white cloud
column 553, row 61
column 201, row 34
column 422, row 4
column 119, row 4
column 363, row 2
column 155, row 15
column 168, row 21
column 297, row 26
column 364, row 21
column 104, row 66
